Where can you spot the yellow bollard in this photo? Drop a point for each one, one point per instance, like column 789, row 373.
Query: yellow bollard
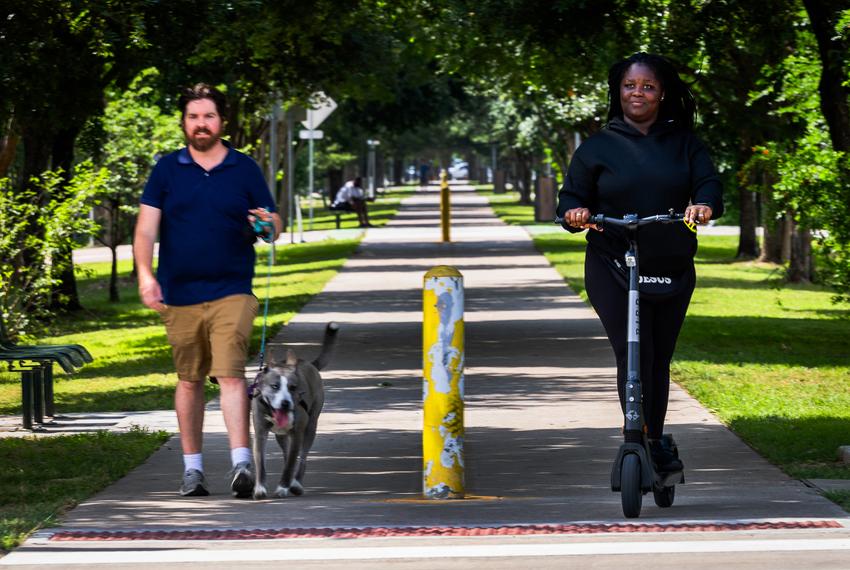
column 442, row 394
column 445, row 206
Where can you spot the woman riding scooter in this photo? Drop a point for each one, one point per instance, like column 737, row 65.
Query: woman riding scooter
column 646, row 161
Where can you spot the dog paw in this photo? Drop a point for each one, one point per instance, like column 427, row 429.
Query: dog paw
column 296, row 489
column 282, row 491
column 260, row 492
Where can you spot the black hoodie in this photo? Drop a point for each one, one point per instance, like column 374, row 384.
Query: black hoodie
column 621, row 171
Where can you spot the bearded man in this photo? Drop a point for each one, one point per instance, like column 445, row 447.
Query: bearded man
column 202, row 201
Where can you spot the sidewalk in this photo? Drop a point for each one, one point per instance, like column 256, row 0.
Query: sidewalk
column 542, row 420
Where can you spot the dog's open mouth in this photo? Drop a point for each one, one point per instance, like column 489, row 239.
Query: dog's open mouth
column 281, row 418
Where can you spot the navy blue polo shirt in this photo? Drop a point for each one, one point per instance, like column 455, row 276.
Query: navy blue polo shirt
column 206, row 247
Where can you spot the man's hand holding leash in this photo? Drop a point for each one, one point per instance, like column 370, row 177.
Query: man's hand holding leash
column 266, row 224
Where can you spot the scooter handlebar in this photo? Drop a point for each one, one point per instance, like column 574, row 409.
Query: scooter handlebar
column 630, row 220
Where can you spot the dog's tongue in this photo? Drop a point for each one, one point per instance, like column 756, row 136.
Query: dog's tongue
column 281, row 418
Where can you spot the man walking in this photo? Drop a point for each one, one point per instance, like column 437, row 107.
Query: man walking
column 202, row 200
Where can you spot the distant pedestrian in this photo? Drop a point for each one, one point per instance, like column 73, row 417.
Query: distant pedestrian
column 646, row 161
column 201, row 201
column 424, row 174
column 352, row 198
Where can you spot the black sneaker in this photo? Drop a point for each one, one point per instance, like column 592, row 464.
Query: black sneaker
column 663, row 457
column 194, row 484
column 242, row 484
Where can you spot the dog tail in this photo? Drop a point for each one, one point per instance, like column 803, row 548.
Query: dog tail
column 327, row 346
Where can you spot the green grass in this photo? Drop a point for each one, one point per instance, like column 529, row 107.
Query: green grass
column 840, row 497
column 132, row 370
column 382, row 210
column 43, row 477
column 769, row 358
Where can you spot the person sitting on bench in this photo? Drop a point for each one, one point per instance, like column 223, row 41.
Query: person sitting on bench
column 352, row 198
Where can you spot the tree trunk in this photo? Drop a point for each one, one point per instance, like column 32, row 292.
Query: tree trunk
column 113, row 277
column 398, row 170
column 36, row 161
column 524, row 177
column 335, row 181
column 8, row 147
column 65, row 297
column 774, row 233
column 748, row 247
column 36, row 155
column 114, row 232
column 773, row 222
column 787, row 231
column 800, row 267
column 472, row 164
column 834, row 93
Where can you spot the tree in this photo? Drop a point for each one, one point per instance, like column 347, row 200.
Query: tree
column 830, row 21
column 58, row 59
column 26, row 288
column 134, row 132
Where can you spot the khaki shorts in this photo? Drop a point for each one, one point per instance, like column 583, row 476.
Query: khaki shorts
column 211, row 339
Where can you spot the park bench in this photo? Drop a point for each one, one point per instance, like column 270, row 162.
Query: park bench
column 338, row 212
column 35, row 363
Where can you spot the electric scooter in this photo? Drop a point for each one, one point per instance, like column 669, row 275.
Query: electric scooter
column 633, row 473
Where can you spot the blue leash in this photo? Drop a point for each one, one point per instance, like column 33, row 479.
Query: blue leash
column 266, row 231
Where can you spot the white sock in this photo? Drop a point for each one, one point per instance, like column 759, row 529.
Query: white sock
column 240, row 455
column 193, row 461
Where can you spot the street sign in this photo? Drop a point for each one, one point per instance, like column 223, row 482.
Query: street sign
column 310, row 134
column 321, row 108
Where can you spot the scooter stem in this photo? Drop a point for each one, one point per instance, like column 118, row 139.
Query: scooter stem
column 634, row 407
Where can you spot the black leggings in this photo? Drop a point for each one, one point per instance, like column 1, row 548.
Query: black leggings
column 660, row 323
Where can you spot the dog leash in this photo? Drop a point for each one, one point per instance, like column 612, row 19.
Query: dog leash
column 266, row 231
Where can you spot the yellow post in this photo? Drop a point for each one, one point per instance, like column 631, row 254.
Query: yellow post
column 442, row 394
column 445, row 206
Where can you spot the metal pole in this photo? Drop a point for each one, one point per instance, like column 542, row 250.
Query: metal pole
column 274, row 150
column 442, row 369
column 370, row 169
column 289, row 176
column 310, row 175
column 445, row 207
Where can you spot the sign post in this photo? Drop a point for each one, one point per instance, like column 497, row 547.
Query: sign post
column 320, row 109
column 372, row 175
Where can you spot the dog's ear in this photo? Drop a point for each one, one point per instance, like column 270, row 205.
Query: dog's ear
column 291, row 359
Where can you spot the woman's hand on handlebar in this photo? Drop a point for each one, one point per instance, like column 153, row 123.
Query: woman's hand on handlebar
column 578, row 218
column 698, row 214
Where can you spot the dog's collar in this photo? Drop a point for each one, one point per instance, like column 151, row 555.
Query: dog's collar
column 252, row 387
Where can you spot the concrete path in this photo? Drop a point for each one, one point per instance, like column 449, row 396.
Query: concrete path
column 542, row 427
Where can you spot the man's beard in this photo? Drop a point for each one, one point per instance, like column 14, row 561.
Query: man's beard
column 203, row 145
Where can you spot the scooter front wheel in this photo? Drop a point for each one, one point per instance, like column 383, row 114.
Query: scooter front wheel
column 630, row 492
column 664, row 496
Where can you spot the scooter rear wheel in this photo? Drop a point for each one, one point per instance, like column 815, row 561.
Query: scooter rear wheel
column 631, row 495
column 664, row 497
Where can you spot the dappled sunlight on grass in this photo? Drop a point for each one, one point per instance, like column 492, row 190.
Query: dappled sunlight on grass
column 132, row 368
column 768, row 357
column 381, row 211
column 42, row 477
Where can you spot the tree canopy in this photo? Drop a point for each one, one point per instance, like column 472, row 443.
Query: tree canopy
column 527, row 77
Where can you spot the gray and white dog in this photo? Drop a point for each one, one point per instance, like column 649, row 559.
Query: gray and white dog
column 286, row 401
